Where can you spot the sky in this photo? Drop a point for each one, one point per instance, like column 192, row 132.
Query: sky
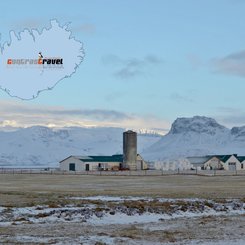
column 146, row 63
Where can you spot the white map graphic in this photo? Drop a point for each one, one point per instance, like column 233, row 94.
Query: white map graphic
column 27, row 80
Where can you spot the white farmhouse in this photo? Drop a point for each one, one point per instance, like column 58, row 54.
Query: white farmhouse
column 230, row 162
column 90, row 163
column 214, row 162
column 226, row 162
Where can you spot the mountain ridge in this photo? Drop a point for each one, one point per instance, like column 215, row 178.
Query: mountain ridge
column 197, row 136
column 43, row 146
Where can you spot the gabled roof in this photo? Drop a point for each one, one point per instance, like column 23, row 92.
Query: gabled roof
column 113, row 158
column 77, row 157
column 224, row 158
column 204, row 159
column 241, row 158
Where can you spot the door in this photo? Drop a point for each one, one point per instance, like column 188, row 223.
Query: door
column 87, row 167
column 72, row 167
column 232, row 166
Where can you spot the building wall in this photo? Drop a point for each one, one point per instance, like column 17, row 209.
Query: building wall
column 94, row 166
column 81, row 166
column 213, row 163
column 64, row 165
column 243, row 165
column 232, row 160
column 140, row 163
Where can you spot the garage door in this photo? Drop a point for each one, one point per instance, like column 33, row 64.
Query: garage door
column 232, row 166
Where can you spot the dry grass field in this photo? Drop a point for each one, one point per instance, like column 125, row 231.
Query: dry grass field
column 55, row 192
column 34, row 187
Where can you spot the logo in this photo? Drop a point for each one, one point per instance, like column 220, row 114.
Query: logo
column 47, row 62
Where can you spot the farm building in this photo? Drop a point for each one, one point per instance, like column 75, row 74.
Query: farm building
column 129, row 160
column 242, row 161
column 98, row 163
column 226, row 162
column 89, row 163
column 198, row 162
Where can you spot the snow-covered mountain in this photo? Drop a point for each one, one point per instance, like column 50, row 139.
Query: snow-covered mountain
column 43, row 146
column 197, row 136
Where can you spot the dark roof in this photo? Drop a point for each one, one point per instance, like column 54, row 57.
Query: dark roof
column 204, row 159
column 113, row 158
column 241, row 158
column 224, row 158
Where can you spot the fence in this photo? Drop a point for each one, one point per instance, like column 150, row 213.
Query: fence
column 57, row 171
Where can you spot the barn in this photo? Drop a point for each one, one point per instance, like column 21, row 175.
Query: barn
column 98, row 163
column 129, row 160
column 90, row 163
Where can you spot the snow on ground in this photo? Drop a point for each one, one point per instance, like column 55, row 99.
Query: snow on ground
column 135, row 198
column 111, row 198
column 229, row 242
column 121, row 213
column 124, row 220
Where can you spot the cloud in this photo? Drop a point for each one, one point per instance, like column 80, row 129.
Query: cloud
column 23, row 114
column 232, row 64
column 132, row 67
column 230, row 116
column 153, row 59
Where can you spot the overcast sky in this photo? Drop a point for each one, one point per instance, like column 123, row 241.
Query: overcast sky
column 147, row 62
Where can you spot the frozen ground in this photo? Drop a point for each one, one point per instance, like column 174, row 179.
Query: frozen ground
column 178, row 210
column 130, row 220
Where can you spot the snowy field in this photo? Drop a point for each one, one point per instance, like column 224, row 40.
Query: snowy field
column 125, row 220
column 44, row 209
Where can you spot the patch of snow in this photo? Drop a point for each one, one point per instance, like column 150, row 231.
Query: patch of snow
column 222, row 242
column 111, row 198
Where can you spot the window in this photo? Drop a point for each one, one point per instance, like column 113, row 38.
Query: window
column 72, row 167
column 241, row 165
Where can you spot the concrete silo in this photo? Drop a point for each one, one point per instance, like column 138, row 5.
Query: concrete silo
column 130, row 150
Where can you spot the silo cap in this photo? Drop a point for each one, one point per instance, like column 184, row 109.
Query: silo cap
column 130, row 131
